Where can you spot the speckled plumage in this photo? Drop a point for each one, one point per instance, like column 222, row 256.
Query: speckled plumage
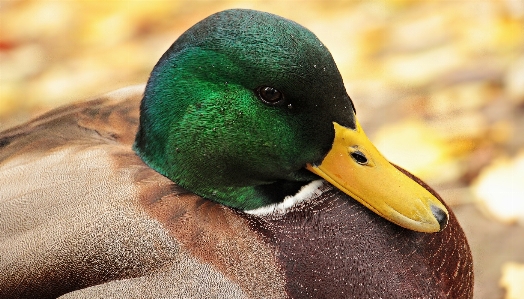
column 82, row 217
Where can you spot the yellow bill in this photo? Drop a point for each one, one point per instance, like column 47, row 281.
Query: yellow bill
column 357, row 168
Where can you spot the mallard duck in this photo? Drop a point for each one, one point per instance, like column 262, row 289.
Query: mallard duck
column 239, row 171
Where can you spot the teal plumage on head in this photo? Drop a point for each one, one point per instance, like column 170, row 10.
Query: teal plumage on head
column 96, row 221
column 201, row 104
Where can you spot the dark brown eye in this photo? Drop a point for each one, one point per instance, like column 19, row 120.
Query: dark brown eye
column 270, row 95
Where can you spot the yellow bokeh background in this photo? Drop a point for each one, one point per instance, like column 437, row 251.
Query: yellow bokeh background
column 438, row 86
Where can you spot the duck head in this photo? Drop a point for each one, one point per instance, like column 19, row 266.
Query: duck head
column 246, row 107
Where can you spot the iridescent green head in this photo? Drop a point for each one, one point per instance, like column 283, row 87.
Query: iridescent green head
column 244, row 108
column 238, row 105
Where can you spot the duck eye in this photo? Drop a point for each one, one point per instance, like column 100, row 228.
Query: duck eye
column 359, row 157
column 270, row 95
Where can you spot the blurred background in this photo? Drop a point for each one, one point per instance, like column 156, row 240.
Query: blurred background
column 438, row 86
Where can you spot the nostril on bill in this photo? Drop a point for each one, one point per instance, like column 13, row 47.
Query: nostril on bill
column 359, row 157
column 440, row 215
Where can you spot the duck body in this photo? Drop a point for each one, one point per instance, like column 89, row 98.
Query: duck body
column 88, row 210
column 71, row 232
